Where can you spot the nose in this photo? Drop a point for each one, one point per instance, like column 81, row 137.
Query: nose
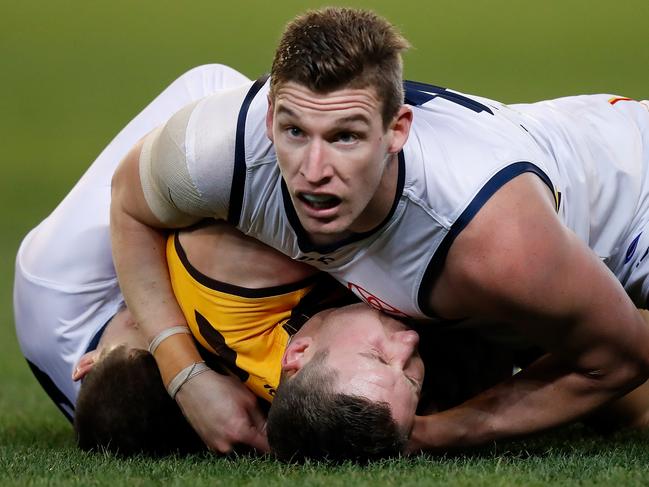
column 405, row 343
column 315, row 169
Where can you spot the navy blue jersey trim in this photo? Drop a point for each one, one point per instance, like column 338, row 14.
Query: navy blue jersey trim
column 416, row 94
column 303, row 241
column 56, row 395
column 243, row 292
column 494, row 184
column 239, row 170
column 92, row 345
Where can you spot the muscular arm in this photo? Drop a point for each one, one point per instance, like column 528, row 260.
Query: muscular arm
column 221, row 410
column 516, row 263
column 138, row 241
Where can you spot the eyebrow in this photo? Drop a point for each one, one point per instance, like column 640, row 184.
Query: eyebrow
column 372, row 356
column 283, row 110
column 354, row 118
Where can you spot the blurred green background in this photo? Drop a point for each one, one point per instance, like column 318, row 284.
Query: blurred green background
column 73, row 73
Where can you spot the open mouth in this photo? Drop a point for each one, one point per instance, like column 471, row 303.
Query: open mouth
column 319, row 201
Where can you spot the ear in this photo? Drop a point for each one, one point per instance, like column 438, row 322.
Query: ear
column 269, row 119
column 400, row 129
column 85, row 365
column 294, row 356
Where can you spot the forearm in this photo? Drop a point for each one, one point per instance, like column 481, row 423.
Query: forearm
column 140, row 261
column 139, row 255
column 138, row 245
column 545, row 395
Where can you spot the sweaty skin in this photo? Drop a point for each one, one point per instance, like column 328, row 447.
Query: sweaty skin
column 138, row 243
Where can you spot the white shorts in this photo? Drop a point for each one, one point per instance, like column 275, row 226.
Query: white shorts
column 65, row 287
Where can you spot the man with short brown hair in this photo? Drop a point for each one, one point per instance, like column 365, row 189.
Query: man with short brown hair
column 458, row 208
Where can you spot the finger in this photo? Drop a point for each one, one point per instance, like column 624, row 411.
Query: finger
column 259, row 442
column 257, row 417
column 81, row 371
column 220, row 447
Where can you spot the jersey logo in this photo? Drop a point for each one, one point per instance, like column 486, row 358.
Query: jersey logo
column 632, row 248
column 615, row 99
column 374, row 301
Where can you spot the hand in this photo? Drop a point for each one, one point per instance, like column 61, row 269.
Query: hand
column 223, row 412
column 416, row 441
column 438, row 432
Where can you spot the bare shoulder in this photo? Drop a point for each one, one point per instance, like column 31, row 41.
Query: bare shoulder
column 508, row 249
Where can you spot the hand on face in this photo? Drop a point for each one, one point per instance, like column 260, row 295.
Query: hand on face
column 223, row 412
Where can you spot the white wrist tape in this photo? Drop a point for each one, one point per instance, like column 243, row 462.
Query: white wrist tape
column 185, row 376
column 164, row 334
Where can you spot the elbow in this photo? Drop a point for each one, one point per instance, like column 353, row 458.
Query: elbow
column 640, row 370
column 628, row 374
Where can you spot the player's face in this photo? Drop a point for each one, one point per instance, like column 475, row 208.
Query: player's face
column 376, row 357
column 336, row 158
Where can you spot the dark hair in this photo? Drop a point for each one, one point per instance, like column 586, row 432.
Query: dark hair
column 308, row 420
column 332, row 48
column 124, row 408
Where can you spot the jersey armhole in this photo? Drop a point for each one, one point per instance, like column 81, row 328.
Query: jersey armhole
column 496, row 182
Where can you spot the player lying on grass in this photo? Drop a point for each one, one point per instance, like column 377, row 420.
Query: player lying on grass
column 240, row 303
column 243, row 301
column 258, row 310
column 65, row 266
column 66, row 289
column 428, row 203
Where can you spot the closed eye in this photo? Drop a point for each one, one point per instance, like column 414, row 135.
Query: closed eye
column 375, row 355
column 379, row 356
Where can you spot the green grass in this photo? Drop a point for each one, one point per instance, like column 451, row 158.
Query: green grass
column 73, row 73
column 570, row 457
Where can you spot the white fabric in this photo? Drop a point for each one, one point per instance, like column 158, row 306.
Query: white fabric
column 593, row 152
column 65, row 283
column 186, row 167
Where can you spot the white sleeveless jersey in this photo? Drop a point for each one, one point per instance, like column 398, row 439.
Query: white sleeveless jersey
column 65, row 287
column 589, row 150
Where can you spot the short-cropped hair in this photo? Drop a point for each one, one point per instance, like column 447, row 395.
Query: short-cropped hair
column 123, row 408
column 335, row 48
column 309, row 420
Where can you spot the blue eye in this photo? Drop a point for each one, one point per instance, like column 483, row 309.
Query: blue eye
column 347, row 137
column 294, row 132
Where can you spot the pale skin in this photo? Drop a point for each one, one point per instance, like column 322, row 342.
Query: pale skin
column 138, row 244
column 374, row 355
column 502, row 268
column 355, row 334
column 339, row 163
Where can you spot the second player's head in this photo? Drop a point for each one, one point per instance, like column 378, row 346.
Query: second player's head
column 123, row 406
column 351, row 382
